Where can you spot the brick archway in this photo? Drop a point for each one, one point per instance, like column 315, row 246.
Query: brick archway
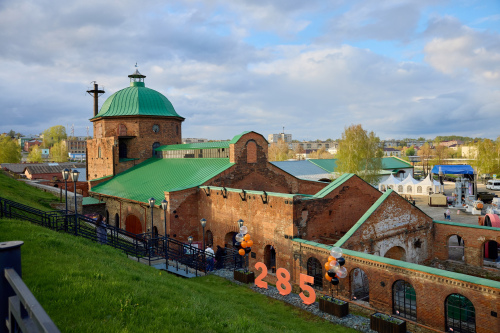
column 396, row 252
column 133, row 224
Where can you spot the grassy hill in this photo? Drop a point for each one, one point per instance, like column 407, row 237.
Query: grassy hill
column 87, row 287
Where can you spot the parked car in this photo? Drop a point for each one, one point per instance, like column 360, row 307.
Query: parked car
column 493, row 184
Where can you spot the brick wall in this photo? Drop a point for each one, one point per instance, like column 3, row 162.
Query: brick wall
column 431, row 289
column 395, row 223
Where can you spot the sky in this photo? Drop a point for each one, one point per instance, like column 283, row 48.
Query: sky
column 400, row 68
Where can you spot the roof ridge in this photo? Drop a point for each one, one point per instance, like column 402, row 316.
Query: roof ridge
column 333, row 185
column 311, row 161
column 363, row 218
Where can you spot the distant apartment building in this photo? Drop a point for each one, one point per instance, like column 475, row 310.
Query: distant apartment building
column 25, row 139
column 274, row 138
column 469, row 152
column 76, row 145
column 390, row 143
column 392, row 152
column 193, row 140
column 415, row 143
column 451, row 143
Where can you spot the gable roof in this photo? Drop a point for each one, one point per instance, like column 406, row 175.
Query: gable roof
column 154, row 176
column 302, row 169
column 393, row 162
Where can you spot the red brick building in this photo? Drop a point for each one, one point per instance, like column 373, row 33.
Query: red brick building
column 29, row 144
column 394, row 252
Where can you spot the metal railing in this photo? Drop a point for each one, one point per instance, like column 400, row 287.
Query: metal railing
column 19, row 309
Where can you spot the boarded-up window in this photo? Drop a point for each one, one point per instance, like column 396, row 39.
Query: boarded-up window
column 251, row 152
column 98, row 131
column 122, row 130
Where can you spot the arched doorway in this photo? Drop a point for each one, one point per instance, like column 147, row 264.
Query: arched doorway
column 155, row 145
column 270, row 258
column 133, row 224
column 360, row 289
column 209, row 238
column 396, row 252
column 456, row 248
column 460, row 314
column 155, row 232
column 229, row 240
column 122, row 150
column 315, row 269
column 404, row 300
column 490, row 251
column 117, row 220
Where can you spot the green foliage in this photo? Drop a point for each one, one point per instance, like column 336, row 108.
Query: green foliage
column 488, row 156
column 54, row 135
column 452, row 138
column 279, row 151
column 59, row 153
column 87, row 287
column 410, row 151
column 10, row 151
column 35, row 155
column 359, row 152
column 28, row 195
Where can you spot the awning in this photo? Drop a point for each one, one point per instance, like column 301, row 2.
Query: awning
column 453, row 169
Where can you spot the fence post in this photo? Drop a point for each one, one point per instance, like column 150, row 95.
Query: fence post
column 10, row 257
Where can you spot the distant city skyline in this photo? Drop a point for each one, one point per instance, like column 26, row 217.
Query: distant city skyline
column 414, row 68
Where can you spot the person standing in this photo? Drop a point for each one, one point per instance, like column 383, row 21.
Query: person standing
column 209, row 253
column 102, row 235
column 448, row 215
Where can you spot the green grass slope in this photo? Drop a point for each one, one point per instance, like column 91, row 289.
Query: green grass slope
column 28, row 195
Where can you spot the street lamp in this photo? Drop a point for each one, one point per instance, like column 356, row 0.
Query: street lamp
column 151, row 204
column 203, row 224
column 65, row 174
column 190, row 240
column 240, row 223
column 164, row 205
column 74, row 176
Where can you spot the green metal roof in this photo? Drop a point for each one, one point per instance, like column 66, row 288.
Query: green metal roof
column 328, row 164
column 271, row 194
column 137, row 100
column 363, row 218
column 237, row 137
column 197, row 145
column 408, row 265
column 155, row 176
column 91, row 201
column 466, row 225
column 333, row 185
column 394, row 163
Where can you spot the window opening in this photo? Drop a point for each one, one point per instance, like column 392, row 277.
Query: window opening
column 460, row 314
column 315, row 269
column 404, row 300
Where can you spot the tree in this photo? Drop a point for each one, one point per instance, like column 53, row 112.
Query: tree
column 320, row 154
column 441, row 153
column 360, row 152
column 12, row 134
column 487, row 157
column 279, row 151
column 410, row 151
column 425, row 154
column 59, row 153
column 298, row 151
column 54, row 135
column 35, row 155
column 10, row 151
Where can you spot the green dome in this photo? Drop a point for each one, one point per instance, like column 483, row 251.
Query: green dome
column 137, row 100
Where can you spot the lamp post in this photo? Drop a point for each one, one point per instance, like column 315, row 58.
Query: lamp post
column 74, row 176
column 203, row 223
column 240, row 223
column 65, row 174
column 152, row 204
column 164, row 205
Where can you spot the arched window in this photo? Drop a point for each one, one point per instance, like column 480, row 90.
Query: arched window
column 251, row 152
column 315, row 269
column 360, row 289
column 270, row 258
column 419, row 189
column 404, row 300
column 456, row 248
column 155, row 145
column 400, row 188
column 122, row 150
column 117, row 220
column 409, row 189
column 99, row 152
column 209, row 238
column 229, row 240
column 460, row 314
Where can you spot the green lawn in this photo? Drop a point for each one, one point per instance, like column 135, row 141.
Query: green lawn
column 87, row 287
column 28, row 195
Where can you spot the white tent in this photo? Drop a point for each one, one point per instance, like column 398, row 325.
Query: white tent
column 390, row 182
column 408, row 186
column 427, row 186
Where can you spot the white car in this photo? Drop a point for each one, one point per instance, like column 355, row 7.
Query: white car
column 493, row 184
